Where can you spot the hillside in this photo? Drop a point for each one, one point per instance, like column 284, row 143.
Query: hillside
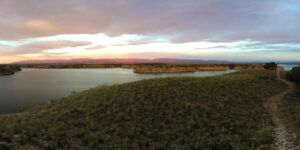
column 172, row 113
column 291, row 105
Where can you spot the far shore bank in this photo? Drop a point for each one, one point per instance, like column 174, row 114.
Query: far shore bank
column 156, row 68
column 9, row 69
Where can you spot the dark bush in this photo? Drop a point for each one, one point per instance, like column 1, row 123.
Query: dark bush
column 270, row 66
column 294, row 74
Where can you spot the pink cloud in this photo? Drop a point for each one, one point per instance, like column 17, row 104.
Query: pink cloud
column 183, row 21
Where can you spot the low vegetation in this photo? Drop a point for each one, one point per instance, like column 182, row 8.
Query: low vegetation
column 270, row 66
column 224, row 112
column 291, row 103
column 9, row 69
column 294, row 74
column 179, row 68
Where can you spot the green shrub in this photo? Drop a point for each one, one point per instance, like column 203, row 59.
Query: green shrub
column 265, row 136
column 4, row 146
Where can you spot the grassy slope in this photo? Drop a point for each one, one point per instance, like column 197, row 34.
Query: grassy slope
column 218, row 112
column 291, row 105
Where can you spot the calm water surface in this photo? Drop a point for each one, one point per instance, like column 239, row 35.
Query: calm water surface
column 31, row 87
column 287, row 66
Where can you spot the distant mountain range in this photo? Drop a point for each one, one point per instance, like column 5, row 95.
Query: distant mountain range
column 124, row 61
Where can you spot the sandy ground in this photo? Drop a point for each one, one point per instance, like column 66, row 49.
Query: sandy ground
column 286, row 130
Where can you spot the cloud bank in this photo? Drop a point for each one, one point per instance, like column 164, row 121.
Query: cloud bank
column 106, row 26
column 189, row 20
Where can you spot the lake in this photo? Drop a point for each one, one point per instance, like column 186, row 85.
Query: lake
column 32, row 87
column 287, row 66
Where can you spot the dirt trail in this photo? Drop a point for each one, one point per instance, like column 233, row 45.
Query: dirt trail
column 287, row 132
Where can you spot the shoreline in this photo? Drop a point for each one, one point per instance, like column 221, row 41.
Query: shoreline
column 6, row 70
column 156, row 68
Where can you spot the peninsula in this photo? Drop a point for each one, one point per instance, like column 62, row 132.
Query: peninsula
column 9, row 69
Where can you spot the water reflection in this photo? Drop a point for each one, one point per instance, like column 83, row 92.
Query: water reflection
column 31, row 87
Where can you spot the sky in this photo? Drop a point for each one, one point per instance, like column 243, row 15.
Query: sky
column 235, row 30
